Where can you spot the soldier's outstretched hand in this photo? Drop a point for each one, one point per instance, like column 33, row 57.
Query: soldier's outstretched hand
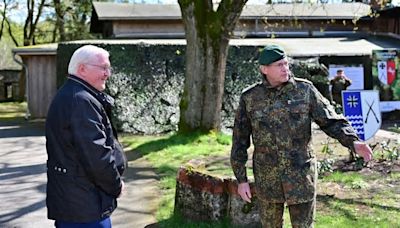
column 363, row 150
column 244, row 191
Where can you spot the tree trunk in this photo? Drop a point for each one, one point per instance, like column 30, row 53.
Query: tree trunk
column 32, row 21
column 60, row 19
column 207, row 35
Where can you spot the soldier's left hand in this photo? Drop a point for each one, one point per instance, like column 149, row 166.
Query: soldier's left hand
column 363, row 150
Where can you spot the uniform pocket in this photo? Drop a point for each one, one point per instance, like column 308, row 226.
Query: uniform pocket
column 300, row 119
column 265, row 159
column 300, row 159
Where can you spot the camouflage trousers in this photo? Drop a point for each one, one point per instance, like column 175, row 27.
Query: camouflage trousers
column 337, row 98
column 301, row 215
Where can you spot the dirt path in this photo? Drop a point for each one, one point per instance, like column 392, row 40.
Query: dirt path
column 139, row 201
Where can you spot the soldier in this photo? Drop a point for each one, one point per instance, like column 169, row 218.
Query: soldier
column 277, row 114
column 339, row 83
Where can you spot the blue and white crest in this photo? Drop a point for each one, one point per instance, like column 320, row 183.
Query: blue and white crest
column 361, row 108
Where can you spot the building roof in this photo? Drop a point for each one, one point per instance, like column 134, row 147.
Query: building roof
column 307, row 11
column 42, row 49
column 128, row 11
column 390, row 12
column 334, row 46
column 295, row 47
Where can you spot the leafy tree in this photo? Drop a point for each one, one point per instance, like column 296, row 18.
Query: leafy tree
column 72, row 19
column 48, row 20
column 208, row 31
column 2, row 12
column 6, row 44
column 7, row 5
column 60, row 11
column 34, row 11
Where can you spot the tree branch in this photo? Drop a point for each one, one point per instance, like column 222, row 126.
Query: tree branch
column 60, row 13
column 229, row 12
column 11, row 33
column 3, row 14
column 39, row 13
column 28, row 21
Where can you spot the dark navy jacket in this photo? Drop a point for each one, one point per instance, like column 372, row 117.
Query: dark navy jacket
column 85, row 160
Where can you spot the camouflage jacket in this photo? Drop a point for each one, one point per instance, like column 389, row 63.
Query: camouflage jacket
column 279, row 123
column 339, row 84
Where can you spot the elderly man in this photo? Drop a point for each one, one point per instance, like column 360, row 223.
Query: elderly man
column 85, row 160
column 277, row 114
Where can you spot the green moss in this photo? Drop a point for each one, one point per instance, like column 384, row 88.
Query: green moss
column 183, row 105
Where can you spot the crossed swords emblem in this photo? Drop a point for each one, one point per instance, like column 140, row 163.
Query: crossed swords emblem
column 371, row 110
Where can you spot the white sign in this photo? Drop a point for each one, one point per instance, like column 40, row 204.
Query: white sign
column 388, row 106
column 362, row 110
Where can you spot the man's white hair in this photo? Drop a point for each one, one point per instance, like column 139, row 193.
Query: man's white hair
column 84, row 54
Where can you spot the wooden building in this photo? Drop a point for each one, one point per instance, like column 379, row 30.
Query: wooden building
column 9, row 84
column 335, row 33
column 387, row 22
column 40, row 67
column 124, row 20
column 10, row 75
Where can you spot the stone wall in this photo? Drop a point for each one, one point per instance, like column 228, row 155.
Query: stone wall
column 202, row 197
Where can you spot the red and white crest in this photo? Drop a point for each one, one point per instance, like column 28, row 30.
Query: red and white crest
column 387, row 71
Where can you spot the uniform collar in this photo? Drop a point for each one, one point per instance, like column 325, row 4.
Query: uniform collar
column 289, row 85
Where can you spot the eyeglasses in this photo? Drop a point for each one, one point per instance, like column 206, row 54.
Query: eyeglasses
column 280, row 65
column 104, row 68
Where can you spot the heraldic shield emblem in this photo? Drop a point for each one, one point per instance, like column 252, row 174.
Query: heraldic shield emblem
column 361, row 108
column 387, row 71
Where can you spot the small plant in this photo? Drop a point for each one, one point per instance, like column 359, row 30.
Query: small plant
column 359, row 184
column 325, row 165
column 389, row 152
column 359, row 163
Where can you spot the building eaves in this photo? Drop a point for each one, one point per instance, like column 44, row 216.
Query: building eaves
column 129, row 11
column 45, row 49
column 389, row 12
column 126, row 11
column 295, row 47
column 307, row 11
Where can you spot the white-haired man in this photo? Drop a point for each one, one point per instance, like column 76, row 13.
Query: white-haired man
column 85, row 160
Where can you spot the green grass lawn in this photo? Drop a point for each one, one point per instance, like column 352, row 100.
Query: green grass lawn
column 167, row 154
column 345, row 199
column 366, row 198
column 12, row 111
column 395, row 128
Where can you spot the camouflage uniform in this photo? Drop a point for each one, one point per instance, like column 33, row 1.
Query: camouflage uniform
column 301, row 215
column 279, row 122
column 338, row 85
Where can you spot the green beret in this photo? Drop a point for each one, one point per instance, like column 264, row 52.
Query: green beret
column 271, row 53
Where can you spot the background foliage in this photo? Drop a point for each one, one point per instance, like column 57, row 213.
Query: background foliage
column 147, row 82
